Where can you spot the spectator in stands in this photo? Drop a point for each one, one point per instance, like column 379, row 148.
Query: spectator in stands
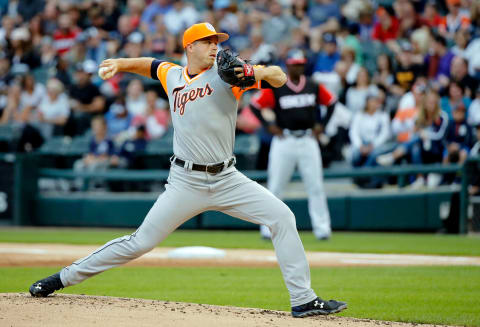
column 414, row 97
column 160, row 42
column 403, row 128
column 455, row 99
column 239, row 38
column 408, row 18
column 53, row 110
column 155, row 8
column 431, row 127
column 387, row 27
column 10, row 112
column 356, row 96
column 406, row 72
column 156, row 118
column 322, row 11
column 21, row 53
column 129, row 154
column 384, row 73
column 458, row 138
column 31, row 96
column 326, row 59
column 134, row 47
column 279, row 25
column 473, row 117
column 136, row 101
column 461, row 41
column 85, row 99
column 96, row 47
column 348, row 57
column 134, row 10
column 431, row 16
column 101, row 150
column 474, row 187
column 66, row 34
column 439, row 61
column 110, row 13
column 118, row 120
column 455, row 19
column 5, row 80
column 124, row 29
column 459, row 74
column 180, row 16
column 369, row 131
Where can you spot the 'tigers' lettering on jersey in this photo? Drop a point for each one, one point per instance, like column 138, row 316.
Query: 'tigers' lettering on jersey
column 182, row 98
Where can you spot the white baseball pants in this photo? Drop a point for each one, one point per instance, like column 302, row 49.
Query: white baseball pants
column 286, row 153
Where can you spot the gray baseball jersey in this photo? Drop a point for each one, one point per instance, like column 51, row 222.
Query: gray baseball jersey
column 204, row 111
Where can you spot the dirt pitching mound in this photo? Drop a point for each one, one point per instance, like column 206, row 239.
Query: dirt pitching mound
column 20, row 309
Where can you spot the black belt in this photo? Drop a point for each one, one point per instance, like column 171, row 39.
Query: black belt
column 211, row 169
column 297, row 133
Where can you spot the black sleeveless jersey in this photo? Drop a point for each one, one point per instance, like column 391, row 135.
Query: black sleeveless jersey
column 295, row 106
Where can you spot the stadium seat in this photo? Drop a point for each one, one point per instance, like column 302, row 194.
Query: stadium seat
column 58, row 145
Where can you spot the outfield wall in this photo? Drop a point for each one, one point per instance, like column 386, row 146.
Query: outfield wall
column 397, row 209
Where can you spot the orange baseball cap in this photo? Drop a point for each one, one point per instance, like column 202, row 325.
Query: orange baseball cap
column 200, row 31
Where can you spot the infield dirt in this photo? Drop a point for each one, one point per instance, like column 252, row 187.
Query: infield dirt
column 20, row 309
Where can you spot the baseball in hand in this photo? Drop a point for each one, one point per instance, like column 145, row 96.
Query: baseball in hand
column 104, row 73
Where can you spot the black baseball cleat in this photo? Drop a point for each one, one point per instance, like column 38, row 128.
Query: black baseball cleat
column 318, row 307
column 46, row 286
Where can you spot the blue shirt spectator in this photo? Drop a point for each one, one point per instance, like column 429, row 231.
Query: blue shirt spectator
column 323, row 10
column 118, row 119
column 157, row 7
column 327, row 59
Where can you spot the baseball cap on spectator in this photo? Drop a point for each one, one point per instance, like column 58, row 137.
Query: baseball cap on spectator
column 329, row 38
column 296, row 57
column 201, row 31
column 135, row 37
column 88, row 66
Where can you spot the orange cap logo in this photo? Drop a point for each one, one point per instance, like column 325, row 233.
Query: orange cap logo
column 200, row 31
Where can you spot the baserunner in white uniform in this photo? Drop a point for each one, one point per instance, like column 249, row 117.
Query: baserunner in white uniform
column 202, row 174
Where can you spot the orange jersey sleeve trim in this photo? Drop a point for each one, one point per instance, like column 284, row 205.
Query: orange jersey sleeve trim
column 237, row 92
column 162, row 71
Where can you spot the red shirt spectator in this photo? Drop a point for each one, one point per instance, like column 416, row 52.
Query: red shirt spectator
column 387, row 26
column 65, row 36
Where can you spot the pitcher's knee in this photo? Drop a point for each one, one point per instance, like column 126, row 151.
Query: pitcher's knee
column 282, row 217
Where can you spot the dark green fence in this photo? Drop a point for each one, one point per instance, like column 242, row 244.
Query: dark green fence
column 367, row 210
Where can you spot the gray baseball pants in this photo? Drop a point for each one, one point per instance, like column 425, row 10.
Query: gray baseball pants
column 189, row 193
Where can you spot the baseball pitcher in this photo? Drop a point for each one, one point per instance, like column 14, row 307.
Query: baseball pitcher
column 203, row 99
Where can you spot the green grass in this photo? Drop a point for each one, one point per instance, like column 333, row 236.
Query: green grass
column 436, row 295
column 359, row 242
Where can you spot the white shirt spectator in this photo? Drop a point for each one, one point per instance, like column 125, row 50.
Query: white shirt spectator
column 356, row 99
column 34, row 98
column 473, row 118
column 178, row 19
column 59, row 108
column 407, row 101
column 369, row 129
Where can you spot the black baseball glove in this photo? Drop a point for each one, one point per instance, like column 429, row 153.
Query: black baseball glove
column 227, row 61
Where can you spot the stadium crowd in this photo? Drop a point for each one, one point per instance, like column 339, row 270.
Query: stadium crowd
column 405, row 72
